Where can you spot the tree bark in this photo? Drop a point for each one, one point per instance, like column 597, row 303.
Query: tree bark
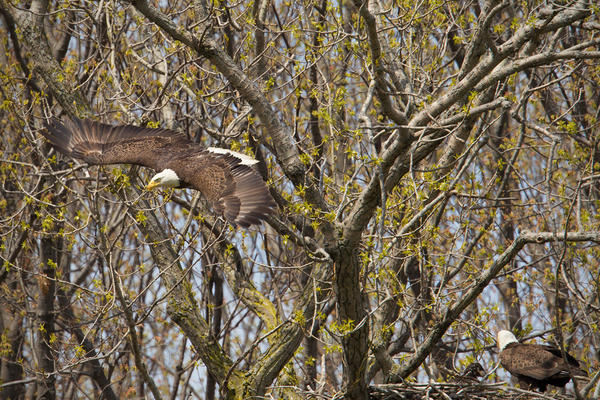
column 354, row 324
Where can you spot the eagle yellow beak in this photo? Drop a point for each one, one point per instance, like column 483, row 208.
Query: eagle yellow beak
column 152, row 185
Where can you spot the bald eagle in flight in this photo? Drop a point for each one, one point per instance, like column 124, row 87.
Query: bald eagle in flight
column 536, row 365
column 224, row 177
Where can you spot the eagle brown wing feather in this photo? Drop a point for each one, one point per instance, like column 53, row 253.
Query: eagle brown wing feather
column 235, row 190
column 534, row 361
column 97, row 143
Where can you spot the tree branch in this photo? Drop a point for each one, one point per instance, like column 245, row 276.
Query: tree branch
column 283, row 143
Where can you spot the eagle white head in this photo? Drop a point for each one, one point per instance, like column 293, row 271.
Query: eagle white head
column 504, row 338
column 167, row 178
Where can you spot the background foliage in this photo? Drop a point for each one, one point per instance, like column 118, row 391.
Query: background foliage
column 436, row 166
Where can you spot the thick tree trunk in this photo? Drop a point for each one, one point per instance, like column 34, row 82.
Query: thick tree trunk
column 45, row 318
column 353, row 321
column 11, row 370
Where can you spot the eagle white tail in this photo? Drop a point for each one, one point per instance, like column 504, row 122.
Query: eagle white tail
column 246, row 160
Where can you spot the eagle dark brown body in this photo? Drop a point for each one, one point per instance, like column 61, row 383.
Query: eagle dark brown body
column 225, row 178
column 535, row 365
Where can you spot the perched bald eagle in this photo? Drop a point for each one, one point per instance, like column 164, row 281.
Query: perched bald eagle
column 224, row 177
column 536, row 365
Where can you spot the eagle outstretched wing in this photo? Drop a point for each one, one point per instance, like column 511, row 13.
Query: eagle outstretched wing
column 98, row 143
